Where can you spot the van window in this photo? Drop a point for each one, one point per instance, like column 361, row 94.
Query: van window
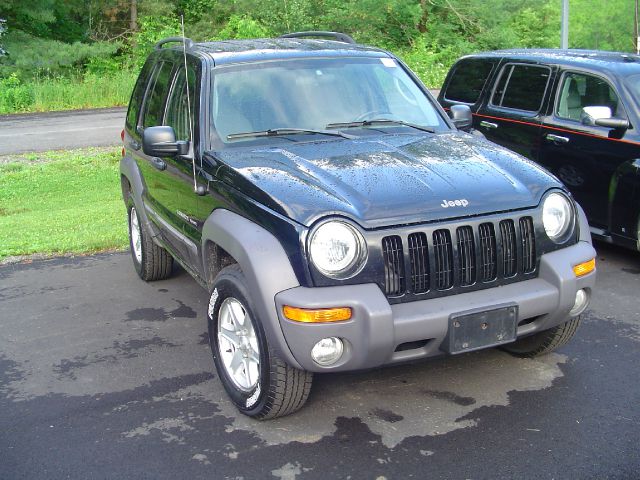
column 580, row 90
column 467, row 80
column 521, row 87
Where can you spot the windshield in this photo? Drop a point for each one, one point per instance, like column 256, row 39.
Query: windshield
column 313, row 94
column 633, row 84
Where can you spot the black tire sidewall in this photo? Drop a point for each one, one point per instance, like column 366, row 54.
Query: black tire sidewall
column 231, row 284
column 137, row 265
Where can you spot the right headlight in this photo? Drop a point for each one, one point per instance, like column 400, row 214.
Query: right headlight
column 557, row 216
column 337, row 249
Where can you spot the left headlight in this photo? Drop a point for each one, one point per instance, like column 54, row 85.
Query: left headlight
column 337, row 249
column 557, row 216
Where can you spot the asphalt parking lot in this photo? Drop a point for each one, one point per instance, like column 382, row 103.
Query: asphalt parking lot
column 104, row 376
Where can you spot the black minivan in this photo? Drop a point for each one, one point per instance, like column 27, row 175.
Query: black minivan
column 575, row 112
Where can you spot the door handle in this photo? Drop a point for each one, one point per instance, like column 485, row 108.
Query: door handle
column 488, row 124
column 158, row 163
column 556, row 138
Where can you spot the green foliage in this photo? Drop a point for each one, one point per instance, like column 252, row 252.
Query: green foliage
column 78, row 207
column 243, row 27
column 32, row 56
column 537, row 27
column 151, row 30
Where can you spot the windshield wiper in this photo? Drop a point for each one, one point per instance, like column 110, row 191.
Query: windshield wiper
column 379, row 121
column 274, row 132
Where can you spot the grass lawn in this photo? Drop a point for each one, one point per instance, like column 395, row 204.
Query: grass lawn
column 61, row 202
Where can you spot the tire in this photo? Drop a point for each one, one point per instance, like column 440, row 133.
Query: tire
column 263, row 386
column 544, row 342
column 151, row 261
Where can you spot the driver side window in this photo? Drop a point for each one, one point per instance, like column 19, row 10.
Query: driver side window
column 581, row 90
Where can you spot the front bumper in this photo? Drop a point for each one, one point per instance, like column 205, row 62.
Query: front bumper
column 379, row 333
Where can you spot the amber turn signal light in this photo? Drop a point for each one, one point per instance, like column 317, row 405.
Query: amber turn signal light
column 584, row 267
column 321, row 315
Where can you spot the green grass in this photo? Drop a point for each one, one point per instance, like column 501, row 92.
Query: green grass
column 89, row 91
column 61, row 202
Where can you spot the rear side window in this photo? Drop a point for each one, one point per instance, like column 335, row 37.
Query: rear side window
column 468, row 80
column 137, row 96
column 158, row 89
column 521, row 87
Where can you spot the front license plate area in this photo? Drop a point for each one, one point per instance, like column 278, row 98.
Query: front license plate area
column 470, row 331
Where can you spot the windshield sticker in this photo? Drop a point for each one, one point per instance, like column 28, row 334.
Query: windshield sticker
column 389, row 62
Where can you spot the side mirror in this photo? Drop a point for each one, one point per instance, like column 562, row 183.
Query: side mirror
column 602, row 117
column 461, row 117
column 161, row 142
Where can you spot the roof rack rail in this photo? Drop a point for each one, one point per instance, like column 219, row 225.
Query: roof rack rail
column 340, row 37
column 187, row 41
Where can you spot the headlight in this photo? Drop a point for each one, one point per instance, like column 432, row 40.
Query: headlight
column 337, row 249
column 557, row 216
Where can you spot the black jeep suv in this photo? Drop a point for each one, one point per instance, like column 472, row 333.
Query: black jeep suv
column 337, row 217
column 576, row 112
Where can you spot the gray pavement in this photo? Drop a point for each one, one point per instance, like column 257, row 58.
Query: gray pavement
column 105, row 376
column 37, row 132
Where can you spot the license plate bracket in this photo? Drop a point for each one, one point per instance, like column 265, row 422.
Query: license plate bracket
column 477, row 329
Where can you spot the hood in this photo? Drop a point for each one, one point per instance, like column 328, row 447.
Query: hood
column 386, row 180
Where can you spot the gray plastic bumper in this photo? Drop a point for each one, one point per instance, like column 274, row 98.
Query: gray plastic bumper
column 376, row 329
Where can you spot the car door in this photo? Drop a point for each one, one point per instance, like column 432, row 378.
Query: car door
column 511, row 115
column 169, row 195
column 590, row 160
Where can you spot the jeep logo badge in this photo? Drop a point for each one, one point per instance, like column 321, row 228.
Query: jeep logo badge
column 454, row 203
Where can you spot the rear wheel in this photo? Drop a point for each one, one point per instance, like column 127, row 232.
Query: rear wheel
column 151, row 261
column 544, row 342
column 259, row 383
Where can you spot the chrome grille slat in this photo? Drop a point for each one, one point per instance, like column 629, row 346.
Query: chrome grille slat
column 488, row 264
column 467, row 256
column 393, row 265
column 508, row 238
column 419, row 260
column 444, row 259
column 528, row 244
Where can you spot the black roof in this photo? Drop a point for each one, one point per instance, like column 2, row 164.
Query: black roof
column 235, row 51
column 620, row 62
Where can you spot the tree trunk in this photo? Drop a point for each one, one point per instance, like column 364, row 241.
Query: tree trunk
column 133, row 21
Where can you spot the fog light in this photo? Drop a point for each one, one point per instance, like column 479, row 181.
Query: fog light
column 327, row 351
column 582, row 300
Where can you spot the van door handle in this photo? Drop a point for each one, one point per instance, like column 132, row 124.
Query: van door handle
column 158, row 163
column 556, row 138
column 488, row 124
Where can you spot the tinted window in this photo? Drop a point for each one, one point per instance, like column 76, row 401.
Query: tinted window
column 468, row 80
column 178, row 109
column 521, row 87
column 154, row 104
column 137, row 96
column 580, row 90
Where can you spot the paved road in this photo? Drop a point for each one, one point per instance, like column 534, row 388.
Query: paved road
column 60, row 130
column 104, row 376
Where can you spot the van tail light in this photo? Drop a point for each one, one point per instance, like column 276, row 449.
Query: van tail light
column 122, row 135
column 123, row 152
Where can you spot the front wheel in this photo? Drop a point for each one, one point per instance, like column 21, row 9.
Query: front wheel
column 259, row 383
column 544, row 342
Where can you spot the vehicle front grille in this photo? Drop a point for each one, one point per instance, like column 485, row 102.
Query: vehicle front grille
column 466, row 256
